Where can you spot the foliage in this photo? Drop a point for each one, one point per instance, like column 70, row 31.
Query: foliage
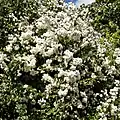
column 106, row 16
column 106, row 1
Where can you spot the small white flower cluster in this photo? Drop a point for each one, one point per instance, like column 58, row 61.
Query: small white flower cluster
column 3, row 58
column 66, row 52
column 30, row 60
column 109, row 105
column 117, row 55
column 41, row 101
column 62, row 92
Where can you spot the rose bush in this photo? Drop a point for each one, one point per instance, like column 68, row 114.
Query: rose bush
column 56, row 67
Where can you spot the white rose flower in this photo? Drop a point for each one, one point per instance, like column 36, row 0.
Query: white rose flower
column 48, row 61
column 77, row 61
column 105, row 118
column 25, row 86
column 16, row 47
column 85, row 43
column 61, row 73
column 84, row 100
column 117, row 52
column 26, row 34
column 41, row 101
column 80, row 105
column 93, row 75
column 49, row 52
column 67, row 79
column 63, row 92
column 68, row 54
column 46, row 77
column 117, row 60
column 83, row 94
column 9, row 48
column 32, row 63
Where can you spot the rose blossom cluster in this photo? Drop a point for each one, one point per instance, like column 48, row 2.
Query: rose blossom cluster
column 65, row 52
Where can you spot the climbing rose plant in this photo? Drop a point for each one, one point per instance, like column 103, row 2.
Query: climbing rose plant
column 56, row 68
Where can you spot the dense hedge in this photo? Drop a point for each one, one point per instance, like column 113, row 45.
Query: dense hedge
column 55, row 66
